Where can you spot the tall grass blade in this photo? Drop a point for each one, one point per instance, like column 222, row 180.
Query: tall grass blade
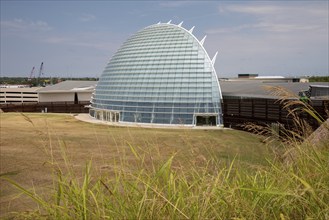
column 165, row 168
column 33, row 196
column 230, row 168
column 133, row 151
column 10, row 173
column 163, row 197
column 307, row 186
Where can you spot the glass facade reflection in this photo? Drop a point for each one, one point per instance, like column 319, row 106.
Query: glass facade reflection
column 163, row 75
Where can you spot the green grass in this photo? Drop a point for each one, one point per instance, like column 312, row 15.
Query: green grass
column 100, row 172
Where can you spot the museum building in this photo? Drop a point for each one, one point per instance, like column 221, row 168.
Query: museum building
column 161, row 75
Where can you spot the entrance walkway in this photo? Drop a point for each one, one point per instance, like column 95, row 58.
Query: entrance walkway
column 89, row 119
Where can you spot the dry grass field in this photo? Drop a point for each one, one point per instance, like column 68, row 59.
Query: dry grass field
column 32, row 143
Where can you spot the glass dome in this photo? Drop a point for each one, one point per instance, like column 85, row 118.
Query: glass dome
column 162, row 75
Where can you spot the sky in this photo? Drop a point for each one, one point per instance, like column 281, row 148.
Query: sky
column 78, row 38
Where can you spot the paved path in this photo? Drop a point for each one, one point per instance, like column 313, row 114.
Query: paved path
column 88, row 118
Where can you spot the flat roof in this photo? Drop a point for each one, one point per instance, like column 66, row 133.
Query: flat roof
column 70, row 86
column 258, row 89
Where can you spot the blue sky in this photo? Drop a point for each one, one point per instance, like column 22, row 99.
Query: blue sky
column 77, row 38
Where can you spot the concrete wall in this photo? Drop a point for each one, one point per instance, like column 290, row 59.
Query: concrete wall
column 64, row 97
column 85, row 96
column 56, row 97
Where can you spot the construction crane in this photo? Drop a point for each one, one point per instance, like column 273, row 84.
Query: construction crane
column 31, row 74
column 40, row 70
column 39, row 75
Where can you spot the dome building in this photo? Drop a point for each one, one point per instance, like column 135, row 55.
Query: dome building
column 160, row 75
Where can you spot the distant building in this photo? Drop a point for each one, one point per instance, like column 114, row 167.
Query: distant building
column 247, row 75
column 14, row 86
column 18, row 94
column 268, row 79
column 67, row 91
column 261, row 89
column 257, row 101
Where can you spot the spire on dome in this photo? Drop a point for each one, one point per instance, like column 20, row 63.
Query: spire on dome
column 203, row 39
column 214, row 58
column 191, row 30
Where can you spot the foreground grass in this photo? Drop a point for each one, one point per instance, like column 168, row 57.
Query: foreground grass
column 32, row 144
column 188, row 174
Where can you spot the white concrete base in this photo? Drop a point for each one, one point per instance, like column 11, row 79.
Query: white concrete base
column 87, row 118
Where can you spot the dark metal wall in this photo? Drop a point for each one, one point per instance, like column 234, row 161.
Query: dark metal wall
column 236, row 112
column 54, row 107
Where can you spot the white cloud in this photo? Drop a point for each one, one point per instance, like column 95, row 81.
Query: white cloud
column 87, row 17
column 97, row 41
column 271, row 17
column 173, row 4
column 271, row 37
column 39, row 31
column 252, row 9
column 23, row 25
column 268, row 27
